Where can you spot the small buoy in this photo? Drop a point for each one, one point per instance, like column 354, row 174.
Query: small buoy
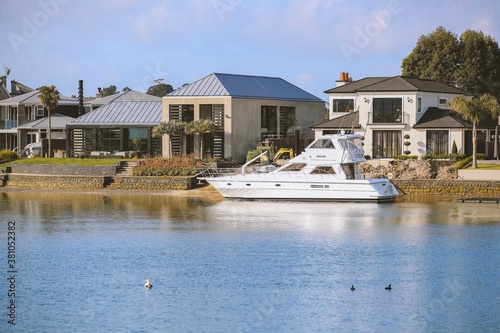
column 148, row 284
column 352, row 288
column 388, row 287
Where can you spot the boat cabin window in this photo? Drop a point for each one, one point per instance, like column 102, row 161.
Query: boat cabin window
column 323, row 170
column 351, row 144
column 323, row 143
column 294, row 167
column 348, row 169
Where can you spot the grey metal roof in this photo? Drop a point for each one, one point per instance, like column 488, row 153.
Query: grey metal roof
column 125, row 113
column 31, row 98
column 123, row 96
column 395, row 84
column 245, row 86
column 57, row 121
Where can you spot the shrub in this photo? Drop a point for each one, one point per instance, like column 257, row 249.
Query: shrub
column 259, row 150
column 175, row 166
column 462, row 163
column 8, row 155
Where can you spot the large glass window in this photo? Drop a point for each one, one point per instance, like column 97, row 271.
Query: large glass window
column 269, row 121
column 387, row 144
column 342, row 105
column 387, row 110
column 287, row 119
column 437, row 142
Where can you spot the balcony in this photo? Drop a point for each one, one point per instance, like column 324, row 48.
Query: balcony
column 8, row 124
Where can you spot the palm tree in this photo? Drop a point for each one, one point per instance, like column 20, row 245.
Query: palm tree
column 473, row 111
column 170, row 128
column 201, row 126
column 49, row 97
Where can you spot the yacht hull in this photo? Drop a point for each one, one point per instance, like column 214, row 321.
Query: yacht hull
column 254, row 187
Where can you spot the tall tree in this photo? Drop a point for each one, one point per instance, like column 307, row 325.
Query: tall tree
column 49, row 97
column 474, row 111
column 160, row 90
column 111, row 90
column 478, row 71
column 471, row 62
column 434, row 57
column 201, row 127
column 170, row 128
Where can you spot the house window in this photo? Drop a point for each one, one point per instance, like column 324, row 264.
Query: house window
column 269, row 121
column 437, row 142
column 419, row 104
column 443, row 101
column 342, row 105
column 28, row 113
column 387, row 110
column 39, row 111
column 206, row 112
column 387, row 144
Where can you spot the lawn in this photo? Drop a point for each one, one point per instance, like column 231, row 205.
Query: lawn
column 481, row 166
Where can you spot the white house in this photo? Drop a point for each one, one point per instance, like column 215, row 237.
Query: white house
column 386, row 109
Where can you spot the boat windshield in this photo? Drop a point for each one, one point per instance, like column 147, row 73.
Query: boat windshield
column 351, row 143
column 323, row 143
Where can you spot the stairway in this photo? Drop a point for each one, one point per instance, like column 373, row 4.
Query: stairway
column 126, row 168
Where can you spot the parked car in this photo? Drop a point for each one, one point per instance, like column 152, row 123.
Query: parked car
column 31, row 150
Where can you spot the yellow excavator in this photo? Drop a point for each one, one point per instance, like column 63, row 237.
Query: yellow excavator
column 282, row 155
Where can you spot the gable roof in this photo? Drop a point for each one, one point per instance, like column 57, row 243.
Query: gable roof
column 245, row 86
column 444, row 118
column 57, row 121
column 395, row 84
column 125, row 113
column 350, row 120
column 31, row 98
column 123, row 96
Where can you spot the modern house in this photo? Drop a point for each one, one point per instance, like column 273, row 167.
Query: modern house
column 247, row 110
column 386, row 109
column 16, row 113
column 122, row 125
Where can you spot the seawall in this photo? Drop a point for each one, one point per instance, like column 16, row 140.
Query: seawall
column 459, row 188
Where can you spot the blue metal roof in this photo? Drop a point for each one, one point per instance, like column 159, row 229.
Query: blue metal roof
column 125, row 113
column 245, row 86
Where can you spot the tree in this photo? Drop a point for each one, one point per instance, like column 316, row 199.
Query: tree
column 126, row 89
column 434, row 57
column 169, row 128
column 474, row 111
column 479, row 64
column 160, row 90
column 471, row 62
column 111, row 90
column 201, row 126
column 49, row 97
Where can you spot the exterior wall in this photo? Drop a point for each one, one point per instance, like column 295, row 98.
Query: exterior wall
column 242, row 123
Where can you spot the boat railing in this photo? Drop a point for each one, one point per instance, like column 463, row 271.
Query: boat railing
column 218, row 172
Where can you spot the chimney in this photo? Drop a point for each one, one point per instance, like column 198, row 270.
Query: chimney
column 344, row 78
column 99, row 94
column 81, row 111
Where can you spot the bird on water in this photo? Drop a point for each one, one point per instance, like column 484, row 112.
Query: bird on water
column 352, row 288
column 388, row 287
column 148, row 284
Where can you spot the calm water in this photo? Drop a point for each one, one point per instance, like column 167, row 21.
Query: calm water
column 234, row 266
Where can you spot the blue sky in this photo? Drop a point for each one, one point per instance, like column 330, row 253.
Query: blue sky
column 131, row 43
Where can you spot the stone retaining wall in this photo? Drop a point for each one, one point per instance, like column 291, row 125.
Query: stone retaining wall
column 55, row 182
column 49, row 169
column 154, row 183
column 100, row 182
column 450, row 187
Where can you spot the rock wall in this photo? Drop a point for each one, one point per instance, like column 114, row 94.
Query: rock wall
column 154, row 183
column 466, row 188
column 55, row 182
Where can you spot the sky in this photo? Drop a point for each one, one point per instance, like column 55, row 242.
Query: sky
column 132, row 43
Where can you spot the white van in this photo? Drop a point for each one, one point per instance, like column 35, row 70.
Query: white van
column 32, row 150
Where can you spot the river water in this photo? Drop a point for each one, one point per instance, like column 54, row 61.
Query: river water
column 80, row 262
